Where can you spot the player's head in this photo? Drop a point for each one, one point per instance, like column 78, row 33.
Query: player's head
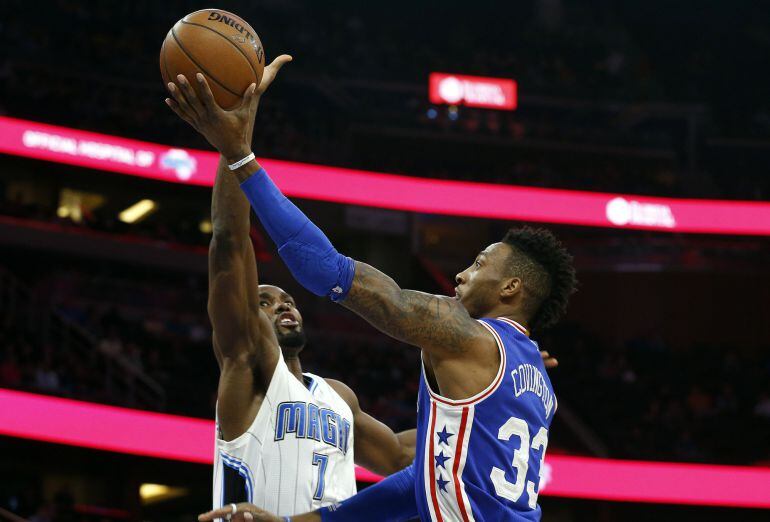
column 280, row 308
column 528, row 274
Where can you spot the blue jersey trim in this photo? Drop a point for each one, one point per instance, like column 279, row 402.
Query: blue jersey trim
column 243, row 470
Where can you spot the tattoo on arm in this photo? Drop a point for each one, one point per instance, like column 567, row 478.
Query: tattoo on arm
column 434, row 323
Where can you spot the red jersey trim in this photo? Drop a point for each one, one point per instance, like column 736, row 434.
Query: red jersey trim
column 515, row 325
column 458, row 456
column 433, row 498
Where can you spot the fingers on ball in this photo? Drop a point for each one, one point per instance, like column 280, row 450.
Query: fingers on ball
column 205, row 91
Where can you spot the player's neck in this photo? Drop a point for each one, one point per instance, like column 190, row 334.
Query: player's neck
column 294, row 364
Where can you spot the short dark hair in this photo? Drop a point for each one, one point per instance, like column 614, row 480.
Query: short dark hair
column 546, row 270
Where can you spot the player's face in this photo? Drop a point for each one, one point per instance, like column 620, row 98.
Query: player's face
column 283, row 313
column 478, row 286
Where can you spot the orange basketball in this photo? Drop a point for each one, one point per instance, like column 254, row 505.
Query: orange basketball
column 219, row 44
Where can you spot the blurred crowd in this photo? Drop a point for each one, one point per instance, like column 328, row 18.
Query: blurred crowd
column 647, row 401
column 33, row 361
column 642, row 399
column 146, row 324
column 357, row 89
column 27, row 364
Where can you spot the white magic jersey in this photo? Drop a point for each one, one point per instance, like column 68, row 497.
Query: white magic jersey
column 296, row 456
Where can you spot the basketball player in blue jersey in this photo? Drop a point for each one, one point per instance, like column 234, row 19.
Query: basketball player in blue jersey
column 485, row 402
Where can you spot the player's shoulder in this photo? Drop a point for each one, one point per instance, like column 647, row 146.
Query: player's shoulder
column 346, row 392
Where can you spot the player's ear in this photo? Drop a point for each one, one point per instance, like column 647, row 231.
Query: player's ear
column 510, row 287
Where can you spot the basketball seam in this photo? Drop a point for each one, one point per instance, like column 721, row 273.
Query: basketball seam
column 173, row 33
column 165, row 63
column 228, row 41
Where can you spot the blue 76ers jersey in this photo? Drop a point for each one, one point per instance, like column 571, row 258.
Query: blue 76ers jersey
column 481, row 458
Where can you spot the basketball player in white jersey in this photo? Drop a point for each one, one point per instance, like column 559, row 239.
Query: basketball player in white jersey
column 286, row 440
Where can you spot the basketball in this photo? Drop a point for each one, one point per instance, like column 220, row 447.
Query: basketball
column 220, row 45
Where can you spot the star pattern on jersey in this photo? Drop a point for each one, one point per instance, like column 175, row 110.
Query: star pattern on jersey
column 442, row 484
column 441, row 459
column 443, row 436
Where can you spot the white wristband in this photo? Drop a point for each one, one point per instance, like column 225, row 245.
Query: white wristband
column 241, row 163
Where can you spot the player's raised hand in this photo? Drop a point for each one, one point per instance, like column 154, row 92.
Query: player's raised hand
column 228, row 131
column 271, row 71
column 548, row 361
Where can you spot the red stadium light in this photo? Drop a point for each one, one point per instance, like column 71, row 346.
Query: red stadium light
column 472, row 91
column 358, row 187
column 122, row 430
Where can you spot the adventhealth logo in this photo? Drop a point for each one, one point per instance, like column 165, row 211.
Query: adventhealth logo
column 621, row 211
column 180, row 162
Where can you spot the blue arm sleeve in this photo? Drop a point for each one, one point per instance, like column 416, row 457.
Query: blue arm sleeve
column 308, row 253
column 393, row 499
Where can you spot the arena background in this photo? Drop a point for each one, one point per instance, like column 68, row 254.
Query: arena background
column 659, row 109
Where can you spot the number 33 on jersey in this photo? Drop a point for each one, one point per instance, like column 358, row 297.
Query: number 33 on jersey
column 480, row 459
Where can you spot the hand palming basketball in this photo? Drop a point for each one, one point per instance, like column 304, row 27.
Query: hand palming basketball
column 229, row 131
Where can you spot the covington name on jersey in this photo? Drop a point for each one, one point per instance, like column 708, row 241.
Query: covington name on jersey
column 527, row 378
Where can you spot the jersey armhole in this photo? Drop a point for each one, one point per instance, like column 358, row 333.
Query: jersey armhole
column 486, row 392
column 257, row 426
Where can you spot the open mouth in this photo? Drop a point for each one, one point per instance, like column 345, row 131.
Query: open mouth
column 287, row 320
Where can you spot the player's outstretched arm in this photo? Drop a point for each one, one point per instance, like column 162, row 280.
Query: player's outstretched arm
column 244, row 344
column 377, row 447
column 437, row 324
column 243, row 338
column 232, row 269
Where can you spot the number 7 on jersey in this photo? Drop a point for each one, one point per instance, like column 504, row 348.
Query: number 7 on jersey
column 321, row 461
